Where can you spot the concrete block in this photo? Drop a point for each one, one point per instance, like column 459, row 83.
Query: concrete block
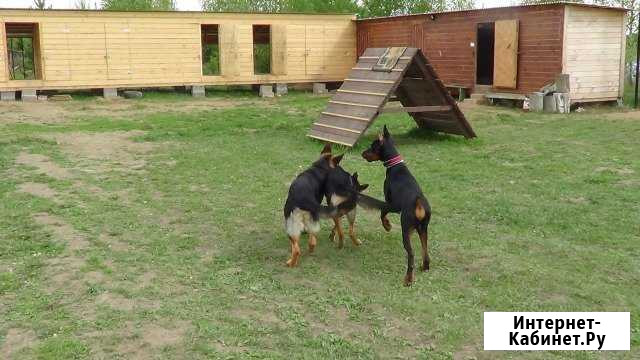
column 110, row 93
column 8, row 95
column 319, row 88
column 266, row 90
column 198, row 91
column 29, row 95
column 549, row 104
column 281, row 89
column 536, row 101
column 42, row 97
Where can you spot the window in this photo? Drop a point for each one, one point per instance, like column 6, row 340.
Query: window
column 210, row 50
column 261, row 49
column 23, row 51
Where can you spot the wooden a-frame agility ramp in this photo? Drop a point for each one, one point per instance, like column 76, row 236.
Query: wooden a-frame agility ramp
column 380, row 74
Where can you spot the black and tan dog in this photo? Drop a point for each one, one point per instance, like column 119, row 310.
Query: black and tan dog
column 303, row 207
column 402, row 195
column 342, row 192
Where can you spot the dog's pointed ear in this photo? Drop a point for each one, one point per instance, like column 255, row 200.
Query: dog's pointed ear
column 326, row 149
column 355, row 176
column 362, row 187
column 385, row 132
column 380, row 137
column 336, row 159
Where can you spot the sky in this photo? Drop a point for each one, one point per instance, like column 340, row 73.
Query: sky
column 195, row 4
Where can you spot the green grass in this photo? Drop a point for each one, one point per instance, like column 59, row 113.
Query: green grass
column 540, row 213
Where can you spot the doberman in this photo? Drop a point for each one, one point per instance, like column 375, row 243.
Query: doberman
column 402, row 195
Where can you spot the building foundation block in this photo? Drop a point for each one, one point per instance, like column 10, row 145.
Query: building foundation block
column 266, row 90
column 110, row 93
column 319, row 88
column 198, row 91
column 281, row 89
column 29, row 95
column 7, row 96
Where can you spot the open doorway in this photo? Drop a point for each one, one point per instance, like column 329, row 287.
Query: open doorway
column 23, row 51
column 210, row 50
column 484, row 57
column 261, row 49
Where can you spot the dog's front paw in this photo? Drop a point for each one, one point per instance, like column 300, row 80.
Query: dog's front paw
column 425, row 267
column 408, row 279
column 356, row 241
column 386, row 224
column 291, row 263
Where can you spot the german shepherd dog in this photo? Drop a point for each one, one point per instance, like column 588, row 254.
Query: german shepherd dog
column 303, row 207
column 342, row 192
column 402, row 195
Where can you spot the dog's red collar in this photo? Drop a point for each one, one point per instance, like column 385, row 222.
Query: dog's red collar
column 394, row 161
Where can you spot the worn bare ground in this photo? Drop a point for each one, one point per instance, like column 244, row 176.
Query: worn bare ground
column 106, row 151
column 63, row 112
column 43, row 164
column 61, row 230
column 16, row 340
column 39, row 190
column 144, row 341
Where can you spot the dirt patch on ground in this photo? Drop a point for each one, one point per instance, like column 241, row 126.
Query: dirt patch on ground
column 114, row 243
column 44, row 165
column 152, row 337
column 339, row 323
column 110, row 150
column 263, row 316
column 115, row 301
column 623, row 115
column 16, row 340
column 61, row 230
column 39, row 190
column 158, row 336
column 63, row 112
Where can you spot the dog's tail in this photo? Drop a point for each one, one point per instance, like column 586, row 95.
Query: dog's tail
column 369, row 203
column 327, row 212
column 422, row 208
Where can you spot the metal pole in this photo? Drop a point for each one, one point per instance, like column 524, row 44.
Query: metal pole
column 637, row 59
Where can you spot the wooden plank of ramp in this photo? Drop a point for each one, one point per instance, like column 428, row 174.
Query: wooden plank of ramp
column 364, row 93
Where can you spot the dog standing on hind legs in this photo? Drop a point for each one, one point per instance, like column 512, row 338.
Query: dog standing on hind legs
column 402, row 195
column 303, row 208
column 342, row 191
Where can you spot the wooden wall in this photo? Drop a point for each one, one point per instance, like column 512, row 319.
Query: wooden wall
column 594, row 52
column 94, row 49
column 446, row 41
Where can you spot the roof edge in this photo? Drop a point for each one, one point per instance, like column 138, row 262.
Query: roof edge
column 559, row 3
column 174, row 12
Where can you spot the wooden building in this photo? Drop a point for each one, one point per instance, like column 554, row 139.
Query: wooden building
column 75, row 49
column 515, row 50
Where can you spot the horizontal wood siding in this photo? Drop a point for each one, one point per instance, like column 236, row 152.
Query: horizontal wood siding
column 90, row 49
column 447, row 41
column 593, row 48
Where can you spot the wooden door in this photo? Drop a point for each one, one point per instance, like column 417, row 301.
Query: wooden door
column 314, row 49
column 505, row 56
column 227, row 35
column 417, row 36
column 118, row 50
column 279, row 49
column 4, row 68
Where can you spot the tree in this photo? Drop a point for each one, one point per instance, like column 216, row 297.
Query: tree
column 278, row 6
column 370, row 8
column 40, row 4
column 364, row 8
column 138, row 4
column 82, row 4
